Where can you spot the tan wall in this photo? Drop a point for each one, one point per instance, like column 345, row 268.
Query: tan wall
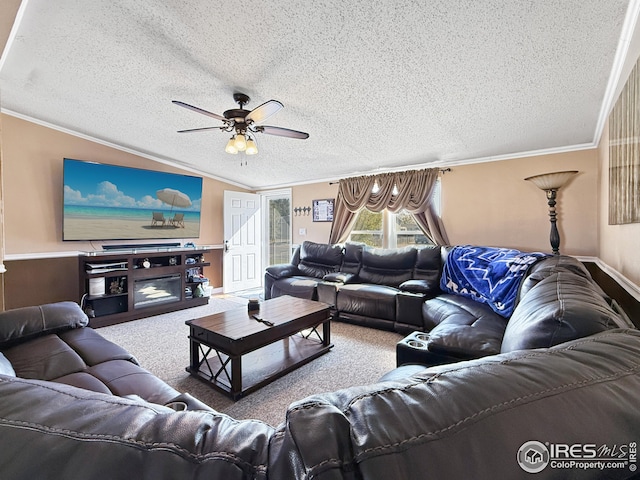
column 32, row 170
column 491, row 204
column 33, row 157
column 302, row 196
column 619, row 245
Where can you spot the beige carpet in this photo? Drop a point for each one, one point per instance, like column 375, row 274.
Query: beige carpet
column 360, row 355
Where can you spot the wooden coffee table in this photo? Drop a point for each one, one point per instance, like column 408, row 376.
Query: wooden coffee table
column 236, row 354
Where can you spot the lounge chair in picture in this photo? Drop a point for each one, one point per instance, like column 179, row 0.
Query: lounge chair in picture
column 158, row 218
column 178, row 220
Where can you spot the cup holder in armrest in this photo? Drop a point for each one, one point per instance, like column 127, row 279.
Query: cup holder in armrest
column 177, row 406
column 423, row 337
column 414, row 348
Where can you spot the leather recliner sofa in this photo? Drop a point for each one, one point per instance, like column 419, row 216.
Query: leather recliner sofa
column 399, row 289
column 481, row 419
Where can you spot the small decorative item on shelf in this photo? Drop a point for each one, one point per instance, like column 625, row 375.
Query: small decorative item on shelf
column 173, row 260
column 96, row 286
column 115, row 287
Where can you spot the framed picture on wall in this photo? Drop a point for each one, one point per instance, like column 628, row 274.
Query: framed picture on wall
column 323, row 210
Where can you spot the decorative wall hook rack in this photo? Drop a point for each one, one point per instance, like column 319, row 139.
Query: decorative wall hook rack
column 302, row 211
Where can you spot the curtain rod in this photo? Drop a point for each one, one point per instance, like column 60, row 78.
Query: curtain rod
column 442, row 171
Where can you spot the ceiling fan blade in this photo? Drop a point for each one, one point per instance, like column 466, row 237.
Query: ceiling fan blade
column 282, row 132
column 199, row 110
column 200, row 129
column 264, row 111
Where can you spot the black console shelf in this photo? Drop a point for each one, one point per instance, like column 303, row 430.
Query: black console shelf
column 113, row 282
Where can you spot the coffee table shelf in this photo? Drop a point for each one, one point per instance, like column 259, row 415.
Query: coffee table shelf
column 237, row 355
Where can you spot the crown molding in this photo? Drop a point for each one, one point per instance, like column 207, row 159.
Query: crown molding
column 131, row 151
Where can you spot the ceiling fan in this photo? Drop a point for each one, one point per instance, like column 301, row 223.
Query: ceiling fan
column 243, row 123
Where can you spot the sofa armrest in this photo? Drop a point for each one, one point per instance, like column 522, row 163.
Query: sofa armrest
column 340, row 277
column 420, row 286
column 409, row 309
column 328, row 292
column 283, row 270
column 190, row 403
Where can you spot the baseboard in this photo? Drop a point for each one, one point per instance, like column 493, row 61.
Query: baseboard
column 624, row 282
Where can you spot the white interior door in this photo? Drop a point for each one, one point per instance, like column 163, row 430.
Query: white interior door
column 242, row 265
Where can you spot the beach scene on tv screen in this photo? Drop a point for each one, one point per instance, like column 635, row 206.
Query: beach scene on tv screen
column 109, row 202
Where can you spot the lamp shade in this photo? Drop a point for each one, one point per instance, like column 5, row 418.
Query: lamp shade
column 231, row 146
column 252, row 148
column 551, row 181
column 241, row 142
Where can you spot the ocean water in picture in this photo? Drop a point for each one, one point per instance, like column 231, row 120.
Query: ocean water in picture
column 119, row 213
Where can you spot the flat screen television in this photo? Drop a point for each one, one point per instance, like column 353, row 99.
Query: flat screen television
column 110, row 202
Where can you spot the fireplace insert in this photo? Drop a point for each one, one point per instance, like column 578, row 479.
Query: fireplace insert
column 157, row 290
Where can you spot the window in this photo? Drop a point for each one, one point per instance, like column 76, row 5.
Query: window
column 277, row 227
column 387, row 230
column 391, row 230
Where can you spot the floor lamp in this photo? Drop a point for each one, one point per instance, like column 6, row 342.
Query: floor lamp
column 551, row 183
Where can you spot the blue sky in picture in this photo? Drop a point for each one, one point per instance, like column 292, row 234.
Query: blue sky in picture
column 101, row 185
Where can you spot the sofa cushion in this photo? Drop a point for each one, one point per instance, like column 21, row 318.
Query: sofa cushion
column 283, row 270
column 125, row 378
column 375, row 301
column 352, row 259
column 387, row 266
column 83, row 380
column 428, row 267
column 561, row 307
column 301, row 287
column 44, row 358
column 93, row 348
column 319, row 259
column 548, row 266
column 439, row 309
column 465, row 328
column 21, row 324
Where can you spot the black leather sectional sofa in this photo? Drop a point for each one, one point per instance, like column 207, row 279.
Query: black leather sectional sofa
column 74, row 405
column 400, row 290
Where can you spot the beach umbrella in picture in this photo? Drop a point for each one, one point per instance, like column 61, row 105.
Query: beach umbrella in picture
column 175, row 198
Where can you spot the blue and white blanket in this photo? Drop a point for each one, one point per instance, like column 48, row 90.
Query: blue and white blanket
column 487, row 275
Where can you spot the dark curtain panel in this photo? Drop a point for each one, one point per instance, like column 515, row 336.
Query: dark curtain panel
column 411, row 191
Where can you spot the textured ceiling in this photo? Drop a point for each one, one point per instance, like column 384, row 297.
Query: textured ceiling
column 379, row 85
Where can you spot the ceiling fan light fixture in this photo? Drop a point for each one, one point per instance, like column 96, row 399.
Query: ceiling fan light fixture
column 231, row 146
column 240, row 122
column 240, row 142
column 252, row 148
